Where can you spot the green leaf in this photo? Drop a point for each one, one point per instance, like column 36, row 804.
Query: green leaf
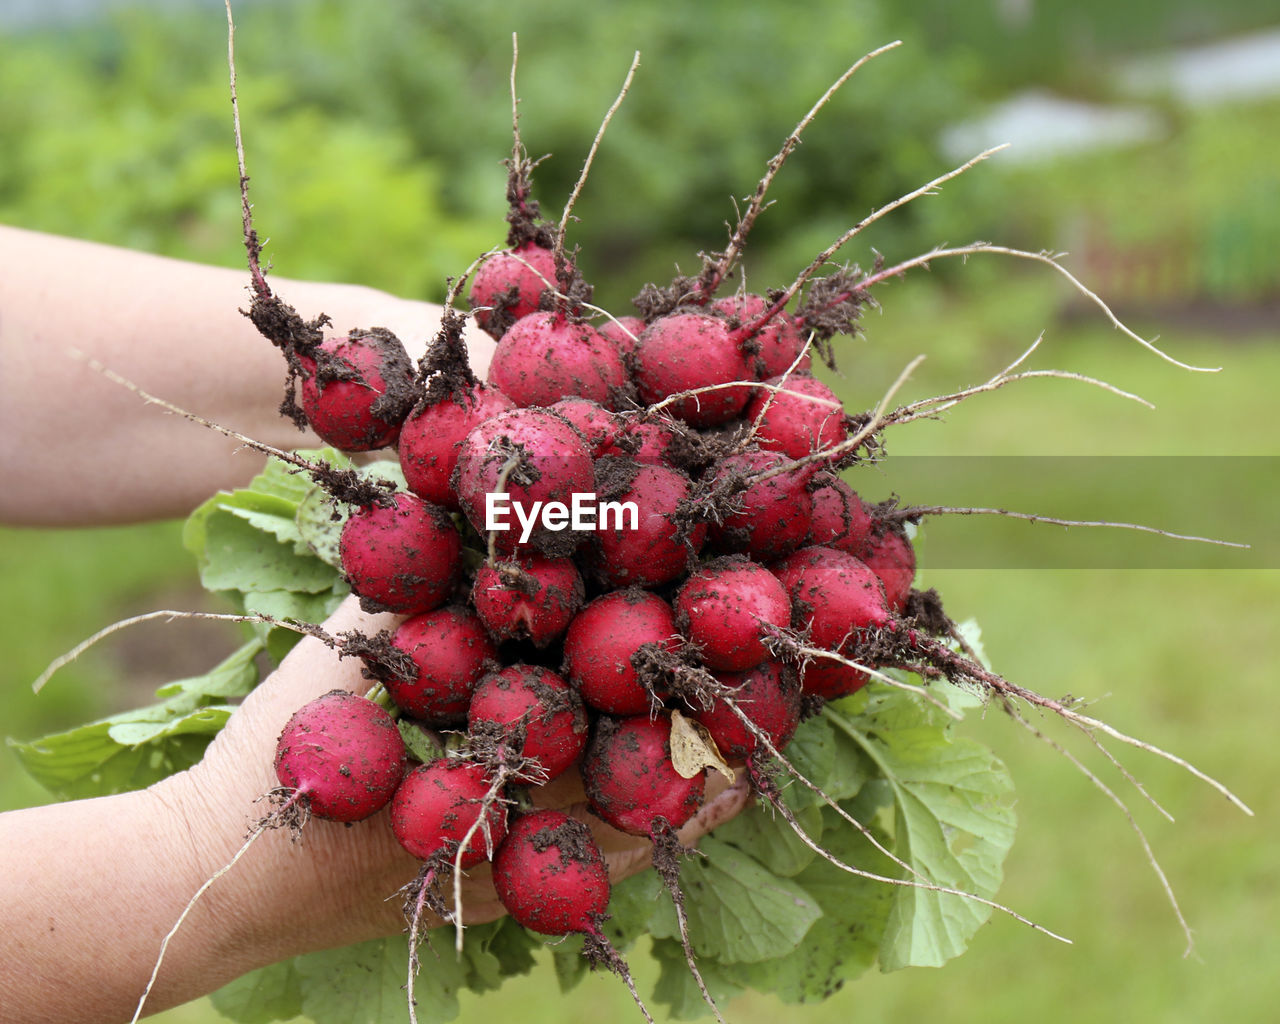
column 827, row 758
column 86, row 761
column 738, row 911
column 844, row 942
column 421, row 743
column 283, row 528
column 261, row 997
column 285, row 604
column 238, row 556
column 320, row 521
column 496, row 951
column 365, row 984
column 207, row 720
column 281, row 480
column 953, row 823
column 234, row 676
column 766, row 836
column 569, row 963
column 677, row 988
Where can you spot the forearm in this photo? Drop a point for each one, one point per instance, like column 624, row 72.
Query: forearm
column 77, row 449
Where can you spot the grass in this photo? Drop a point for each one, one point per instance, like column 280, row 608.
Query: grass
column 1177, row 657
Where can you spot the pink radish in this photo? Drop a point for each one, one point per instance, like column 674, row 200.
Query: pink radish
column 404, row 558
column 342, row 755
column 357, row 390
column 535, row 712
column 604, row 638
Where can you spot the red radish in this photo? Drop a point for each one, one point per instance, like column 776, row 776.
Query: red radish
column 773, row 515
column 535, row 711
column 602, row 640
column 430, row 437
column 452, row 651
column 551, row 875
column 776, row 344
column 769, row 695
column 664, row 541
column 840, row 519
column 833, row 594
column 532, row 456
column 404, row 558
column 511, row 283
column 357, row 390
column 534, row 598
column 726, row 607
column 593, row 421
column 891, row 557
column 804, row 417
column 544, row 357
column 436, row 806
column 684, row 351
column 623, row 332
column 651, row 441
column 342, row 754
column 552, row 878
column 630, row 779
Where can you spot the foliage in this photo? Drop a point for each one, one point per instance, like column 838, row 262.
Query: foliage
column 351, row 114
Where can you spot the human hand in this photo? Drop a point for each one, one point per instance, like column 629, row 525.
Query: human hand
column 337, row 884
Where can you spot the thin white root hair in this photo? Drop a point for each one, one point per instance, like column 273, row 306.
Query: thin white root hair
column 1110, row 794
column 725, row 264
column 591, row 155
column 805, row 838
column 169, row 615
column 935, row 510
column 1050, row 259
column 257, row 830
column 929, row 188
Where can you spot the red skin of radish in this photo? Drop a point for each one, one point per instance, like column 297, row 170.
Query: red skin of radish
column 343, row 753
column 629, row 777
column 551, row 875
column 538, row 702
column 537, row 605
column 832, row 595
column 593, row 421
column 505, row 282
column 766, row 694
column 797, row 420
column 452, row 652
column 840, row 519
column 625, row 333
column 430, row 437
column 683, row 351
column 404, row 559
column 558, row 465
column 436, row 805
column 725, row 608
column 891, row 557
column 655, row 552
column 647, row 441
column 603, row 638
column 775, row 513
column 778, row 342
column 544, row 357
column 345, row 390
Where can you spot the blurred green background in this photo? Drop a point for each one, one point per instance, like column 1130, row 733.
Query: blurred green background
column 375, row 135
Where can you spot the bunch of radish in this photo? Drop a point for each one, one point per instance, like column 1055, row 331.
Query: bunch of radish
column 627, row 552
column 734, row 553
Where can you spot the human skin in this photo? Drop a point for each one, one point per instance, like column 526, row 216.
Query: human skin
column 89, row 888
column 77, row 448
